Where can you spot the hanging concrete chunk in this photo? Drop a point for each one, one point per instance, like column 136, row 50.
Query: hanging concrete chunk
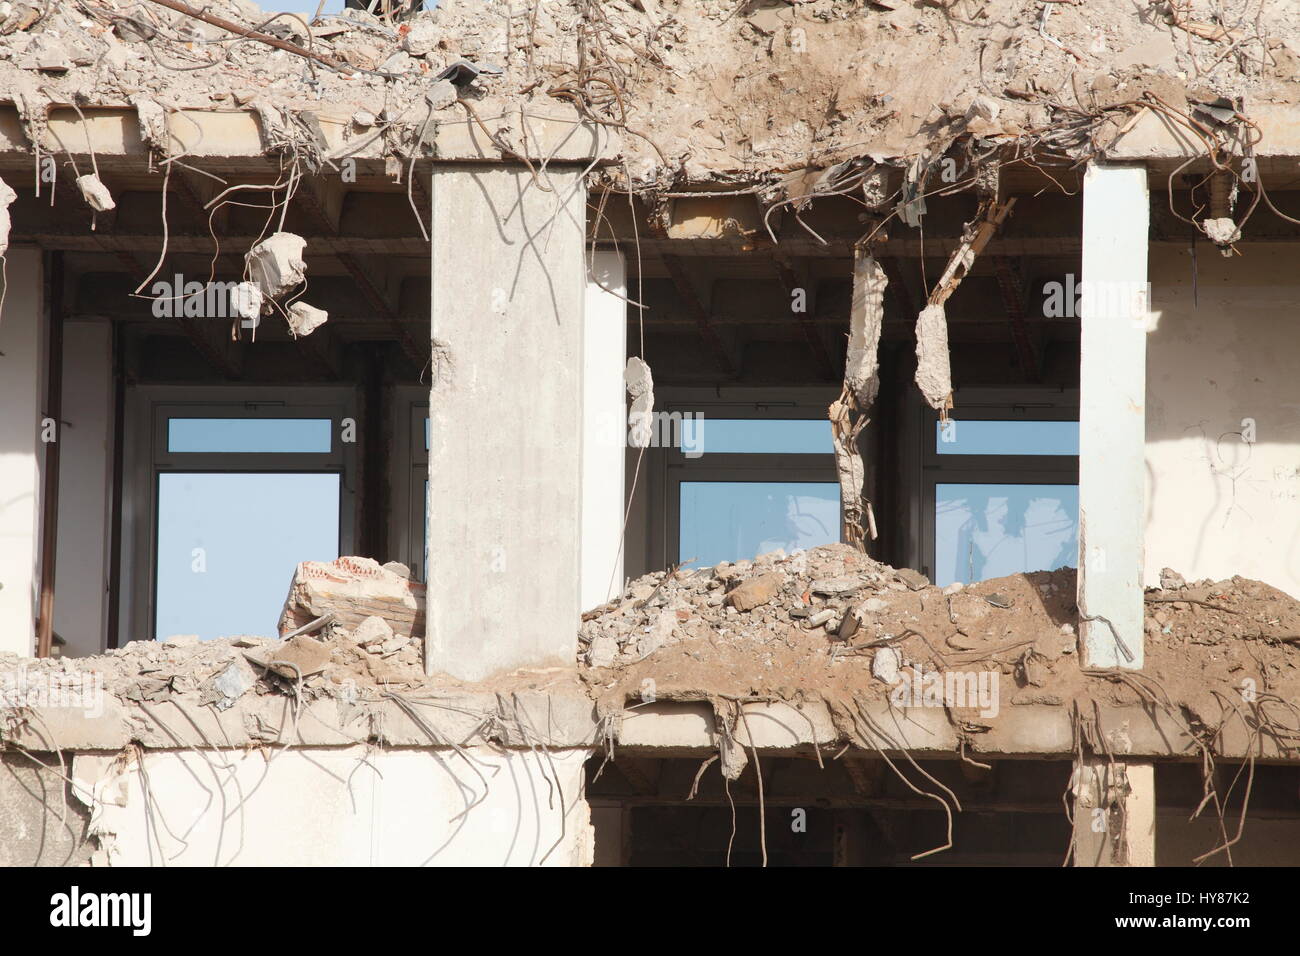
column 246, row 301
column 848, row 413
column 305, row 319
column 1223, row 232
column 276, row 265
column 153, row 121
column 641, row 388
column 862, row 369
column 933, row 374
column 95, row 193
column 7, row 196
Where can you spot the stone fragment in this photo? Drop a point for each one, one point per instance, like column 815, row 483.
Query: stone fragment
column 298, row 657
column 756, row 592
column 305, row 319
column 374, row 630
column 602, row 651
column 885, row 663
column 95, row 193
column 421, row 37
column 1171, row 580
column 915, row 580
column 441, row 95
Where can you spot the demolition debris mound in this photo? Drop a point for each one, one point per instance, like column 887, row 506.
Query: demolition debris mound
column 831, row 623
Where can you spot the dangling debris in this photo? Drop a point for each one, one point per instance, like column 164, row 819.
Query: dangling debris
column 848, row 413
column 305, row 319
column 641, row 388
column 866, row 316
column 95, row 193
column 246, row 301
column 933, row 371
column 7, row 196
column 276, row 265
column 933, row 374
column 1223, row 233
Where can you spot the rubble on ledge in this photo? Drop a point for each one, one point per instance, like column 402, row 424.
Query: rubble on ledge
column 830, row 624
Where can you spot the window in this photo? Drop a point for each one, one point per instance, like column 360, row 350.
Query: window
column 1001, row 491
column 745, row 479
column 229, row 499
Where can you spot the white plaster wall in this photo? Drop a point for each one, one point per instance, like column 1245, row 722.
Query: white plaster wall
column 341, row 807
column 1217, row 506
column 85, row 486
column 21, row 394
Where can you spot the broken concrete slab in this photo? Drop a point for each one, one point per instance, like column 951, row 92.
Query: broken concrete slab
column 353, row 589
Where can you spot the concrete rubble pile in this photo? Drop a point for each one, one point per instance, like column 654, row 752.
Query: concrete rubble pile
column 831, row 623
column 698, row 91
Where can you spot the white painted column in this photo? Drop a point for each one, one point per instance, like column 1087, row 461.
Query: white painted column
column 21, row 393
column 505, row 419
column 604, row 428
column 1114, row 812
column 1112, row 414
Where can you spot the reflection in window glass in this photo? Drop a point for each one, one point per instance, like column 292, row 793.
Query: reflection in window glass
column 731, row 520
column 249, row 435
column 974, row 437
column 740, row 436
column 989, row 530
column 228, row 545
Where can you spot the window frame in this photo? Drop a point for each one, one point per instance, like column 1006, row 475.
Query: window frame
column 408, row 469
column 149, row 407
column 991, row 404
column 759, row 468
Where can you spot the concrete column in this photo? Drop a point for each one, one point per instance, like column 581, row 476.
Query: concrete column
column 1112, row 415
column 21, row 397
column 1114, row 812
column 604, row 428
column 506, row 422
column 85, row 486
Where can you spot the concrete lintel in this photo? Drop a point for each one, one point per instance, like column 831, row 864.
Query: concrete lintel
column 568, row 720
column 237, row 133
column 520, row 721
column 1156, row 137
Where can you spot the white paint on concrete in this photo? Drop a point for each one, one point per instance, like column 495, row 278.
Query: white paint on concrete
column 1112, row 420
column 604, row 428
column 21, row 452
column 1223, row 416
column 505, row 419
column 85, row 486
column 368, row 808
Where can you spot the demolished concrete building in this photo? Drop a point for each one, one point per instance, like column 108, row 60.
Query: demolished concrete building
column 667, row 416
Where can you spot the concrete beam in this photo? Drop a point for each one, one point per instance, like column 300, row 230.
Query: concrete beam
column 559, row 136
column 1112, row 416
column 508, row 293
